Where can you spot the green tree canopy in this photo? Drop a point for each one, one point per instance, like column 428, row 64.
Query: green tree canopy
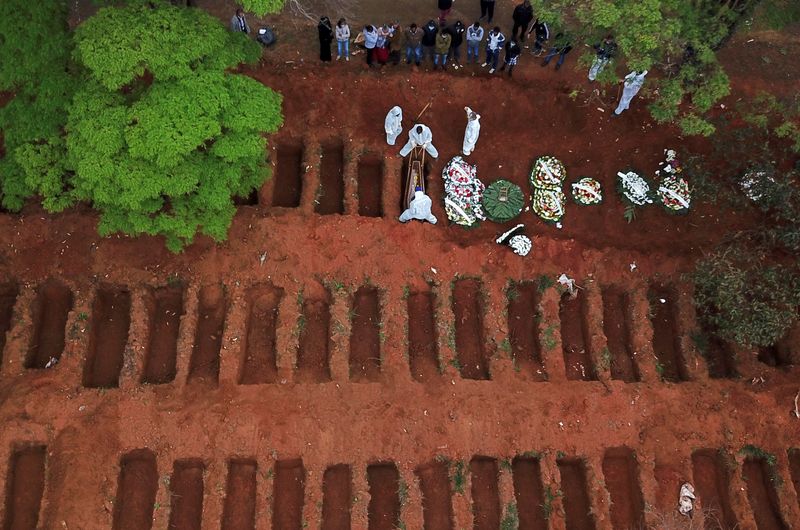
column 160, row 136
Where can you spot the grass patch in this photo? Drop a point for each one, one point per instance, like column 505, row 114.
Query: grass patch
column 511, row 518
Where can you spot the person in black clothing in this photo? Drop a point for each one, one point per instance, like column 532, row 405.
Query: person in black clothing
column 456, row 31
column 523, row 15
column 542, row 34
column 444, row 9
column 605, row 52
column 487, row 7
column 429, row 33
column 325, row 39
column 561, row 47
column 512, row 55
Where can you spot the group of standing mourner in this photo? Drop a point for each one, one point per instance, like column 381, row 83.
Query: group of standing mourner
column 441, row 44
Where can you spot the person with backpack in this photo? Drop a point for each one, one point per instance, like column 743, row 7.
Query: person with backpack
column 474, row 38
column 541, row 35
column 561, row 46
column 413, row 38
column 342, row 40
column 522, row 16
column 456, row 31
column 512, row 55
column 442, row 49
column 429, row 33
column 494, row 43
column 605, row 52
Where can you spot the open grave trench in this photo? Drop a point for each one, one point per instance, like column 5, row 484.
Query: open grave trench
column 539, row 490
column 181, row 334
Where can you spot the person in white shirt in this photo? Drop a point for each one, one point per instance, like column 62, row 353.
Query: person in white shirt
column 342, row 40
column 419, row 208
column 474, row 38
column 472, row 131
column 420, row 136
column 633, row 83
column 393, row 124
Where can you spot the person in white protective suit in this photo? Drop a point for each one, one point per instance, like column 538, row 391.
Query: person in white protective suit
column 420, row 136
column 419, row 208
column 393, row 124
column 633, row 83
column 472, row 131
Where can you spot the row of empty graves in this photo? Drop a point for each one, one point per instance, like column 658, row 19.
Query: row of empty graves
column 320, row 334
column 534, row 491
column 332, row 178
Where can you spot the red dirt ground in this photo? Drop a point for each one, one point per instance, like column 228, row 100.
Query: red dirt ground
column 257, row 388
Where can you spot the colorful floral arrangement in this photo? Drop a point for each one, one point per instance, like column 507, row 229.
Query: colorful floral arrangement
column 634, row 188
column 463, row 192
column 548, row 172
column 587, row 191
column 673, row 190
column 547, row 177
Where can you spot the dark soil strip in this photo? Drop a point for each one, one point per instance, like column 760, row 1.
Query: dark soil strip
column 622, row 481
column 384, row 500
column 794, row 469
column 576, row 497
column 523, row 324
column 111, row 319
column 25, row 487
column 529, row 493
column 260, row 353
column 239, row 511
column 775, row 356
column 468, row 310
column 165, row 309
column 437, row 506
column 288, row 176
column 287, row 506
column 370, row 187
column 485, row 493
column 617, row 331
column 575, row 339
column 365, row 340
column 204, row 364
column 136, row 491
column 666, row 341
column 186, row 495
column 50, row 311
column 423, row 354
column 720, row 360
column 330, row 198
column 8, row 297
column 337, row 497
column 313, row 355
column 250, row 200
column 712, row 488
column 761, row 493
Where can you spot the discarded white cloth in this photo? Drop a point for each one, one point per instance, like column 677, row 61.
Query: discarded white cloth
column 421, row 138
column 685, row 505
column 419, row 208
column 472, row 131
column 393, row 124
column 633, row 83
column 568, row 283
column 597, row 66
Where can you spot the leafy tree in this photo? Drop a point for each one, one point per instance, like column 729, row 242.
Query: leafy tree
column 744, row 298
column 35, row 48
column 160, row 136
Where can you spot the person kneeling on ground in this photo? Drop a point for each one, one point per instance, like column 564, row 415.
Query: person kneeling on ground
column 419, row 208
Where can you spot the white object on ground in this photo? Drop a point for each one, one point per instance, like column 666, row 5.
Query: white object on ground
column 685, row 504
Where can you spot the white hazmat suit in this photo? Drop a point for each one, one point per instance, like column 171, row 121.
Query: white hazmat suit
column 420, row 136
column 472, row 131
column 419, row 208
column 393, row 124
column 633, row 83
